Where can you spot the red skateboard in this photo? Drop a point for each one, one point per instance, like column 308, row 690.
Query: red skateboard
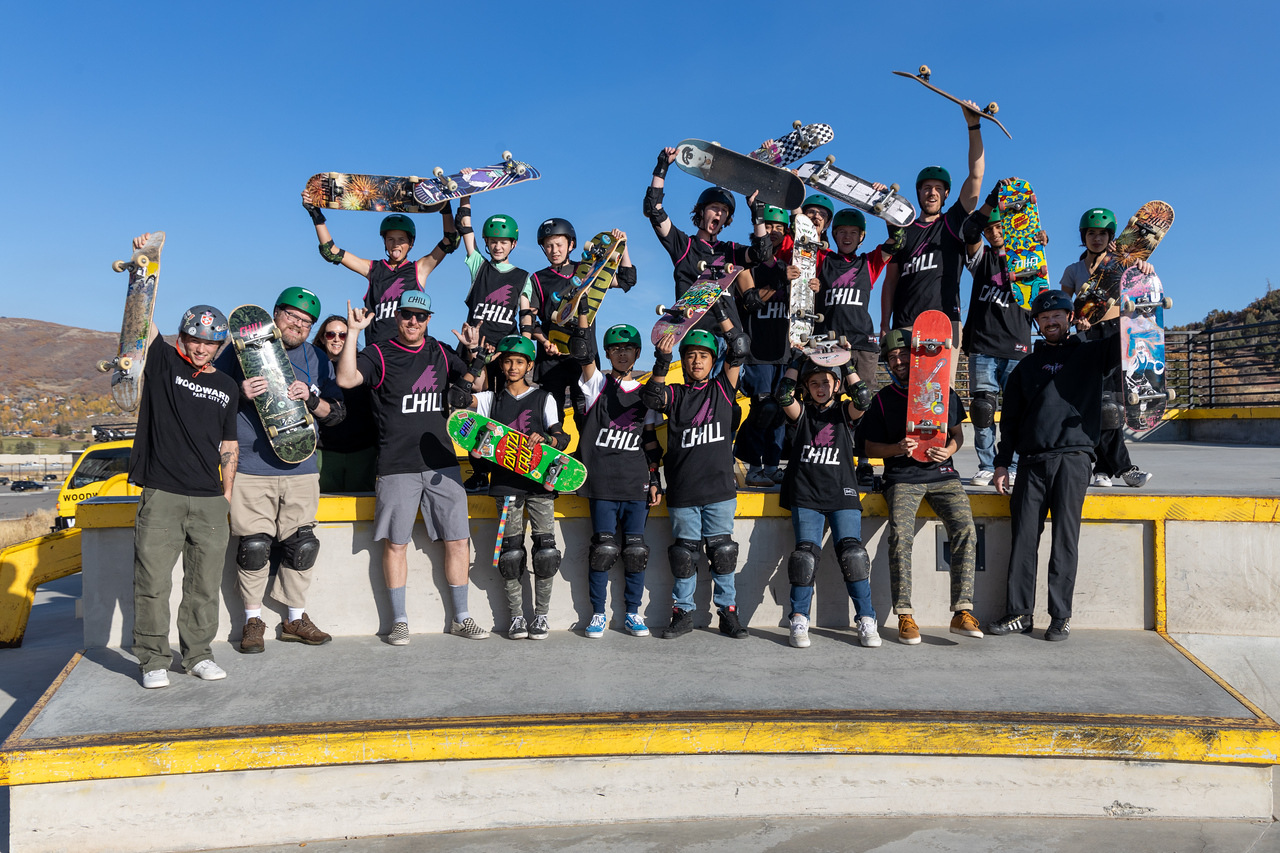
column 929, row 383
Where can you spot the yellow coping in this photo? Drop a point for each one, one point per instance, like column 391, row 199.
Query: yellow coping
column 1222, row 414
column 23, row 567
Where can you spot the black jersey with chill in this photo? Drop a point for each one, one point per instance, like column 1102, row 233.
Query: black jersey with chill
column 386, row 285
column 699, row 459
column 929, row 266
column 408, row 387
column 527, row 414
column 844, row 297
column 996, row 325
column 611, row 445
column 886, row 423
column 493, row 303
column 821, row 473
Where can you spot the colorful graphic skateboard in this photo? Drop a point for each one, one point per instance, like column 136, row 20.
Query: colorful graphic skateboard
column 601, row 257
column 1142, row 307
column 135, row 329
column 826, row 351
column 442, row 187
column 929, row 383
column 739, row 173
column 796, row 144
column 289, row 426
column 1141, row 234
column 485, row 438
column 988, row 112
column 837, row 183
column 678, row 319
column 395, row 194
column 1024, row 241
column 804, row 254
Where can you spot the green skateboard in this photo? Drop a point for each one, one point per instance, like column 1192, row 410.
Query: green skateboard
column 290, row 427
column 485, row 438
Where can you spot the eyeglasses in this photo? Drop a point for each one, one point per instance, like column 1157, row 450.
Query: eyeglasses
column 335, row 336
column 300, row 319
column 410, row 316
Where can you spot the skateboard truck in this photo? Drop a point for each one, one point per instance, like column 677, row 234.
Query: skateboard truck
column 484, row 444
column 448, row 184
column 513, row 165
column 553, row 474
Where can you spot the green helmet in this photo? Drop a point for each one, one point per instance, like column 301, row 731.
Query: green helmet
column 820, row 200
column 501, row 226
column 894, row 339
column 776, row 214
column 518, row 344
column 398, row 222
column 302, row 299
column 622, row 334
column 849, row 216
column 1098, row 217
column 934, row 173
column 699, row 338
column 993, row 217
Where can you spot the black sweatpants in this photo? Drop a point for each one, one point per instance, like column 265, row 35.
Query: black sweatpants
column 1052, row 483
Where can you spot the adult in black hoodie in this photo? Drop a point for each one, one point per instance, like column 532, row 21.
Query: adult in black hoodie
column 1052, row 416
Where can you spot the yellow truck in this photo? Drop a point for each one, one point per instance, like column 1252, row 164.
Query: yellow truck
column 103, row 469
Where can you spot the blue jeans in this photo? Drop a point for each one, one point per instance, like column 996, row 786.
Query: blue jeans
column 809, row 525
column 756, row 446
column 696, row 523
column 608, row 517
column 988, row 373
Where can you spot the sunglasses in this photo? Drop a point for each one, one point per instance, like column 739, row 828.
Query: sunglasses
column 335, row 336
column 420, row 316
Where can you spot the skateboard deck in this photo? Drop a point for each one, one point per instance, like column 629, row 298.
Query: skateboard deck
column 852, row 190
column 485, row 438
column 413, row 194
column 787, row 149
column 601, row 257
column 135, row 329
column 739, row 173
column 1024, row 241
column 679, row 318
column 804, row 254
column 929, row 383
column 827, row 351
column 1142, row 304
column 988, row 112
column 1141, row 234
column 289, row 426
column 442, row 187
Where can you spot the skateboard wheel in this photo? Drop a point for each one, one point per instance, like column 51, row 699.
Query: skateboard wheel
column 142, row 261
column 662, row 310
column 946, row 344
column 104, row 366
column 506, row 156
column 1131, row 398
column 438, row 172
column 831, row 159
column 818, row 318
column 797, row 124
column 992, row 108
column 702, row 266
column 1126, row 305
column 275, row 332
column 687, row 312
column 125, row 362
column 119, row 266
column 911, row 426
column 843, row 341
column 238, row 344
column 452, row 185
column 272, row 432
column 1166, row 303
column 1170, row 394
column 926, row 72
column 309, row 418
column 521, row 169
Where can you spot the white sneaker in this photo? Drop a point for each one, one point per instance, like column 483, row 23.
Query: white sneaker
column 982, row 478
column 155, row 678
column 1135, row 479
column 757, row 477
column 1013, row 477
column 800, row 631
column 468, row 628
column 207, row 670
column 1101, row 481
column 867, row 633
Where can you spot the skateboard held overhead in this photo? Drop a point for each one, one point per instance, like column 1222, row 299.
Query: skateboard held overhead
column 485, row 438
column 678, row 319
column 442, row 187
column 826, row 351
column 988, row 112
column 601, row 257
column 1140, row 237
column 886, row 204
column 412, row 194
column 739, row 173
column 804, row 254
column 1024, row 241
column 135, row 329
column 929, row 382
column 787, row 149
column 289, row 426
column 1142, row 306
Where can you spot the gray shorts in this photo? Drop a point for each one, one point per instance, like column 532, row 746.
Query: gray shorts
column 440, row 496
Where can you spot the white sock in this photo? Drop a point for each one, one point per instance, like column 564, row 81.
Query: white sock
column 255, row 613
column 295, row 613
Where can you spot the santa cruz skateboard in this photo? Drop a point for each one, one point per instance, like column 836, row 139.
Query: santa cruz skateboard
column 787, row 149
column 135, row 330
column 289, row 426
column 413, row 194
column 485, row 438
column 1141, row 234
column 739, row 173
column 601, row 257
column 678, row 319
column 1024, row 241
column 929, row 382
column 804, row 254
column 837, row 183
column 988, row 112
column 1142, row 306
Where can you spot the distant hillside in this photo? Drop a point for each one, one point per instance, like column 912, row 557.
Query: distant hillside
column 46, row 358
column 1262, row 310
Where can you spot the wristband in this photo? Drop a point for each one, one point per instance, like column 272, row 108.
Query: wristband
column 317, row 215
column 660, row 170
column 975, row 125
column 312, row 402
column 661, row 363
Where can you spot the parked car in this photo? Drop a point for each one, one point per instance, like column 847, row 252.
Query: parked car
column 25, row 486
column 4, row 481
column 48, row 477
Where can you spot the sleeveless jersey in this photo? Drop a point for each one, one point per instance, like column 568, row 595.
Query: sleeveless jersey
column 386, row 284
column 699, row 460
column 610, row 445
column 844, row 297
column 494, row 302
column 526, row 414
column 821, row 474
column 408, row 387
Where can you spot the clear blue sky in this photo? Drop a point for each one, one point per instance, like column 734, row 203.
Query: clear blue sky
column 205, row 120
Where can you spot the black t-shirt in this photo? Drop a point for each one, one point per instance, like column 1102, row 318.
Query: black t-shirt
column 821, row 474
column 699, row 459
column 356, row 431
column 493, row 303
column 181, row 423
column 844, row 297
column 687, row 252
column 929, row 266
column 769, row 328
column 996, row 325
column 886, row 422
column 386, row 285
column 409, row 388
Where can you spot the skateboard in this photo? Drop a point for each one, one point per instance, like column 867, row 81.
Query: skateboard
column 601, row 258
column 135, row 329
column 804, row 254
column 789, row 148
column 1141, row 234
column 395, row 194
column 739, row 173
column 678, row 319
column 988, row 112
column 1024, row 241
column 837, row 183
column 290, row 427
column 485, row 438
column 442, row 187
column 1142, row 306
column 826, row 351
column 929, row 383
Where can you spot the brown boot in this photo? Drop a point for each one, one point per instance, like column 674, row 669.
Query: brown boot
column 251, row 641
column 303, row 630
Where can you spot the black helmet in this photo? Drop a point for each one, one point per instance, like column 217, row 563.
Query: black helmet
column 1051, row 300
column 711, row 195
column 811, row 368
column 557, row 227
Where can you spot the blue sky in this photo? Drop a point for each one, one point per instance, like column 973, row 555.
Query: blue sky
column 205, row 120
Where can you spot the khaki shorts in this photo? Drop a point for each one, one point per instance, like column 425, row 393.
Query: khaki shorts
column 440, row 496
column 274, row 505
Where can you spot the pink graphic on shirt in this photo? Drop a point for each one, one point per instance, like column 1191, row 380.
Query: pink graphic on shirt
column 427, row 381
column 523, row 421
column 501, row 296
column 394, row 290
column 825, row 436
column 847, row 279
column 625, row 421
column 704, row 414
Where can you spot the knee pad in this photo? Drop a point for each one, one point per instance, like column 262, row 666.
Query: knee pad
column 301, row 549
column 803, row 564
column 855, row 562
column 683, row 555
column 1112, row 412
column 635, row 556
column 603, row 552
column 983, row 409
column 512, row 560
column 254, row 551
column 766, row 413
column 546, row 556
column 722, row 552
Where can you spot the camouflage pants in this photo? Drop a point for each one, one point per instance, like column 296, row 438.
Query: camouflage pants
column 949, row 501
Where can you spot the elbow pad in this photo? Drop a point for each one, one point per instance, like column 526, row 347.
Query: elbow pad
column 625, row 279
column 653, row 205
column 860, row 395
column 460, row 395
column 786, row 391
column 761, row 250
column 654, row 395
column 327, row 252
column 449, row 242
column 579, row 349
column 337, row 413
column 739, row 347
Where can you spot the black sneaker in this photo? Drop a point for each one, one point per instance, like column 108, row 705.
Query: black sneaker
column 477, row 482
column 866, row 477
column 1059, row 630
column 1014, row 623
column 729, row 624
column 681, row 623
